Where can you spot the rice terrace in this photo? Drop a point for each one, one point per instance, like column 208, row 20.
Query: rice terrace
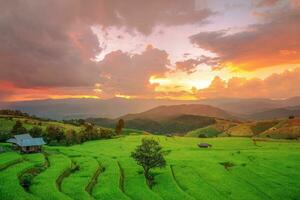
column 149, row 100
column 233, row 168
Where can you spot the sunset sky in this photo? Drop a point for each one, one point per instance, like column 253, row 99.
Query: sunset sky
column 177, row 49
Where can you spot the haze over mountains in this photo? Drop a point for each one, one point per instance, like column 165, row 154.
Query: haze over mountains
column 116, row 107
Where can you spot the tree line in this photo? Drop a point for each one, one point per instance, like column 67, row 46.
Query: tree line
column 56, row 135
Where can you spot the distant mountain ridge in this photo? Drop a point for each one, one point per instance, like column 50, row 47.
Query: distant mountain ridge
column 162, row 112
column 169, row 119
column 277, row 113
column 116, row 107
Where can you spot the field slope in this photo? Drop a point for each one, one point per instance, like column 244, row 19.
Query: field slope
column 234, row 168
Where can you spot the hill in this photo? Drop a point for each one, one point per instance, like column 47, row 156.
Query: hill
column 53, row 132
column 176, row 124
column 116, row 107
column 243, row 107
column 212, row 130
column 286, row 129
column 165, row 112
column 276, row 113
column 59, row 109
column 276, row 129
column 177, row 119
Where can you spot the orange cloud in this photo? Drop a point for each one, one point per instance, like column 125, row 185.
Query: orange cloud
column 282, row 85
column 11, row 92
column 275, row 42
column 129, row 74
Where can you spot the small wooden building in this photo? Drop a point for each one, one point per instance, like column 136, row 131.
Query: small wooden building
column 204, row 145
column 26, row 144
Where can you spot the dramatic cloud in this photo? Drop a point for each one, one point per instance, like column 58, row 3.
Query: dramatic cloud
column 11, row 92
column 95, row 48
column 190, row 65
column 51, row 44
column 272, row 43
column 281, row 85
column 262, row 3
column 122, row 73
column 40, row 47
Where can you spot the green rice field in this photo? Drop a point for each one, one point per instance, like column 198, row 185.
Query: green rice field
column 234, row 168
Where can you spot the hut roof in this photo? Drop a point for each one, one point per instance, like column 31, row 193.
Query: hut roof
column 25, row 140
column 22, row 136
column 204, row 145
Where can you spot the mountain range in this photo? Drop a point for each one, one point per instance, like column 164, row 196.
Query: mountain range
column 168, row 119
column 116, row 107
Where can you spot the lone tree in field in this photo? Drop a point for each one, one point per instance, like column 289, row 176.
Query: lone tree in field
column 149, row 155
column 119, row 126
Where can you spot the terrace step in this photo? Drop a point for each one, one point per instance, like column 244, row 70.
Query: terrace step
column 10, row 187
column 46, row 184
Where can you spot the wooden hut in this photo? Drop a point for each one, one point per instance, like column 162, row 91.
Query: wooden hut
column 26, row 144
column 204, row 145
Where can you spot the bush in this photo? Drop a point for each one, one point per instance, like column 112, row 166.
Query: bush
column 36, row 131
column 71, row 137
column 54, row 133
column 202, row 135
column 18, row 128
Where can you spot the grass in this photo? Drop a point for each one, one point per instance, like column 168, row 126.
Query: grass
column 109, row 187
column 9, row 158
column 241, row 130
column 135, row 185
column 209, row 131
column 262, row 126
column 234, row 168
column 45, row 184
column 10, row 187
column 7, row 124
column 212, row 130
column 75, row 184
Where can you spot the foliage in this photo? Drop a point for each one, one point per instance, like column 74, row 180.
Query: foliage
column 36, row 131
column 149, row 155
column 259, row 127
column 291, row 117
column 75, row 122
column 18, row 128
column 13, row 113
column 54, row 134
column 71, row 137
column 179, row 124
column 119, row 126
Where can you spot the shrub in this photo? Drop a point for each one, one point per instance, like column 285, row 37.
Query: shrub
column 18, row 128
column 54, row 134
column 202, row 135
column 36, row 131
column 71, row 137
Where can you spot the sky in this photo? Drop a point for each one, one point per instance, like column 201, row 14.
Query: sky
column 158, row 49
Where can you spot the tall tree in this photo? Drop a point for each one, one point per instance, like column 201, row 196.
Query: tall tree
column 119, row 126
column 149, row 155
